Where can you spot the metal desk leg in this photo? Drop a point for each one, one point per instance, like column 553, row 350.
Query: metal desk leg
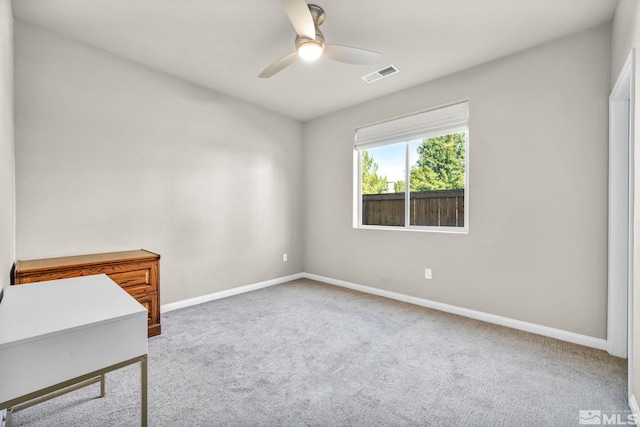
column 63, row 390
column 56, row 390
column 102, row 391
column 143, row 391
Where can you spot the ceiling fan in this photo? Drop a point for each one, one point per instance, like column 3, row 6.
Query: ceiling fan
column 310, row 44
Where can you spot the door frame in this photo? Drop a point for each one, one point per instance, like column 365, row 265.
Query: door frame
column 621, row 216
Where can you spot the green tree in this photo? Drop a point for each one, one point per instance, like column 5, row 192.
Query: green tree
column 398, row 186
column 440, row 164
column 371, row 182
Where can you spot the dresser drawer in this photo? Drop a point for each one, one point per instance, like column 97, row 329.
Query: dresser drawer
column 135, row 282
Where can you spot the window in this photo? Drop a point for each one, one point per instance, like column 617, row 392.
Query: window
column 429, row 151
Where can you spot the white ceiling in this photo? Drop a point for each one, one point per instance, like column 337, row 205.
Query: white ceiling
column 225, row 44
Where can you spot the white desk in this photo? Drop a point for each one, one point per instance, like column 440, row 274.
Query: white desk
column 58, row 333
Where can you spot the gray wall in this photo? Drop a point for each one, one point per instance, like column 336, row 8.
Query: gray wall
column 7, row 164
column 537, row 245
column 111, row 156
column 624, row 34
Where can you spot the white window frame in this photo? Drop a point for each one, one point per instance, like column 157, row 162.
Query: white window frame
column 392, row 132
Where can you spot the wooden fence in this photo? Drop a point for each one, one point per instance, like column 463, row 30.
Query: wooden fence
column 443, row 208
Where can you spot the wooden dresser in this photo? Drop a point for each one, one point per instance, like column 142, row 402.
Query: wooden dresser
column 137, row 272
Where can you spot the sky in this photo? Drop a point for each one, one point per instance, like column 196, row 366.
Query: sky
column 390, row 159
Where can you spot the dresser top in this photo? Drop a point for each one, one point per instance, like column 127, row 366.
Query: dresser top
column 85, row 260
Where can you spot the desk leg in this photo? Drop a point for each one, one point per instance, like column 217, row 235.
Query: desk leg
column 102, row 391
column 56, row 390
column 143, row 390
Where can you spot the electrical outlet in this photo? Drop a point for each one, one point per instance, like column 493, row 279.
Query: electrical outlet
column 284, row 257
column 427, row 273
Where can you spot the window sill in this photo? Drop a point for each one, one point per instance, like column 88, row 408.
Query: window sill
column 448, row 230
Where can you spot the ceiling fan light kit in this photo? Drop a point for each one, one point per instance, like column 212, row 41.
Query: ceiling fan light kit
column 310, row 44
column 310, row 50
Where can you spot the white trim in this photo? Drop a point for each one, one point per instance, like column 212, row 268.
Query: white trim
column 633, row 405
column 620, row 227
column 413, row 228
column 467, row 191
column 228, row 292
column 632, row 177
column 559, row 334
column 357, row 186
column 407, row 186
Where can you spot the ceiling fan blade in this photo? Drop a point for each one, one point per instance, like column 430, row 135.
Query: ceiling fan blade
column 351, row 55
column 279, row 65
column 300, row 17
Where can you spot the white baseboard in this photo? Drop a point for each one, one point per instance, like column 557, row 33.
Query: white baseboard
column 229, row 292
column 633, row 404
column 559, row 334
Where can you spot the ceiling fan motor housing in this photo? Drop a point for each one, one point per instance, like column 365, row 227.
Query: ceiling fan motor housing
column 317, row 13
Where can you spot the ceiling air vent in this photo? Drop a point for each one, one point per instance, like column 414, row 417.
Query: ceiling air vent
column 380, row 74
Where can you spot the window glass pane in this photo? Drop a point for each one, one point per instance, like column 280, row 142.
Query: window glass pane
column 382, row 185
column 437, row 179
